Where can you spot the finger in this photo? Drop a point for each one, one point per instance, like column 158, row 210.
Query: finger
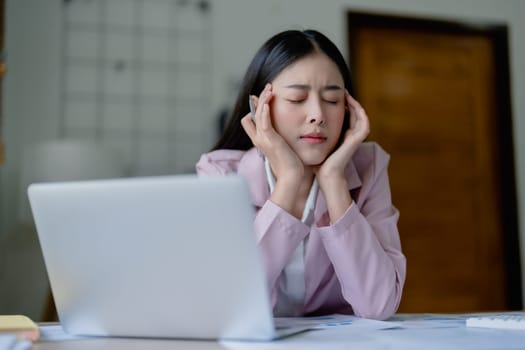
column 255, row 112
column 258, row 102
column 266, row 95
column 352, row 102
column 264, row 101
column 361, row 125
column 266, row 123
column 355, row 107
column 353, row 120
column 249, row 126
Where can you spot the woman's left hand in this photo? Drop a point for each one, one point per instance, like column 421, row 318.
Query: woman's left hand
column 330, row 173
column 359, row 129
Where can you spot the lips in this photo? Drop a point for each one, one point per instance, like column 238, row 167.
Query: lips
column 315, row 137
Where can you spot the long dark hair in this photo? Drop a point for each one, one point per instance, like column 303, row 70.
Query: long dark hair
column 272, row 58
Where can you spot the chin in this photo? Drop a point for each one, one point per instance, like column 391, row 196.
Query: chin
column 313, row 160
column 313, row 156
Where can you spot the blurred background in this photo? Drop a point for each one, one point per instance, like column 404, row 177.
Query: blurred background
column 115, row 88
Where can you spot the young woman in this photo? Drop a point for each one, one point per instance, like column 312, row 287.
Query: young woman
column 325, row 222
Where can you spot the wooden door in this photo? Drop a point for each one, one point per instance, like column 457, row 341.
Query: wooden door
column 431, row 101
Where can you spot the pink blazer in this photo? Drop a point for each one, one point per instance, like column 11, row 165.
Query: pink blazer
column 353, row 266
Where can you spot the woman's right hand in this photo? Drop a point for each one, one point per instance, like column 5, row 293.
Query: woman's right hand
column 286, row 166
column 284, row 161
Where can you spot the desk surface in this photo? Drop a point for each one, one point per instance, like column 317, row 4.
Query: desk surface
column 127, row 344
column 406, row 332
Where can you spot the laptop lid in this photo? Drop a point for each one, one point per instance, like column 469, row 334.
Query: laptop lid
column 170, row 256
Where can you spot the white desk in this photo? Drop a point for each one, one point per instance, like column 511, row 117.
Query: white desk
column 127, row 344
column 413, row 332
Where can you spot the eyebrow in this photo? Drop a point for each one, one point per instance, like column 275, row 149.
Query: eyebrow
column 307, row 87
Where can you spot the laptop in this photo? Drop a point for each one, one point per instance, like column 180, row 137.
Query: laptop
column 163, row 257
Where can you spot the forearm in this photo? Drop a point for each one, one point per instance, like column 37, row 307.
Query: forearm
column 368, row 262
column 337, row 196
column 278, row 235
column 285, row 193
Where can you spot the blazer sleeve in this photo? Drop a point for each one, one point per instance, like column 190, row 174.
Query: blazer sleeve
column 278, row 234
column 220, row 162
column 365, row 249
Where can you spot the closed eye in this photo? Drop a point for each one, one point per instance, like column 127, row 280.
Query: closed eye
column 332, row 102
column 295, row 101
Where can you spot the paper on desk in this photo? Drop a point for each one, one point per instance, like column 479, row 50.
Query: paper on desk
column 56, row 332
column 7, row 342
column 331, row 321
column 11, row 342
column 429, row 320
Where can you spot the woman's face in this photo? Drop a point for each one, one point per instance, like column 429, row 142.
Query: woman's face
column 308, row 107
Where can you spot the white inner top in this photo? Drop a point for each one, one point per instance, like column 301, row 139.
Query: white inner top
column 291, row 288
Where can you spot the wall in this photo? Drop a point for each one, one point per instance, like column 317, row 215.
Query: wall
column 238, row 29
column 254, row 21
column 31, row 92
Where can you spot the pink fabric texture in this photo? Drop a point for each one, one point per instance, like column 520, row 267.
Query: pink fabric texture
column 352, row 266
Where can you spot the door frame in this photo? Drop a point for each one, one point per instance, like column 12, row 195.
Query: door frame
column 498, row 36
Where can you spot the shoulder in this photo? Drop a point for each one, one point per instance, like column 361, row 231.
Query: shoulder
column 370, row 159
column 369, row 152
column 223, row 161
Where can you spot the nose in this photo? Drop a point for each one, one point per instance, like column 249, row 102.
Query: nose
column 316, row 120
column 315, row 114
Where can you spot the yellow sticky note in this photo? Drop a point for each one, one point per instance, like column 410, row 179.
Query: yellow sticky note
column 21, row 326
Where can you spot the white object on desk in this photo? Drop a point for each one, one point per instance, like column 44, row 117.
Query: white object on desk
column 10, row 342
column 503, row 321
